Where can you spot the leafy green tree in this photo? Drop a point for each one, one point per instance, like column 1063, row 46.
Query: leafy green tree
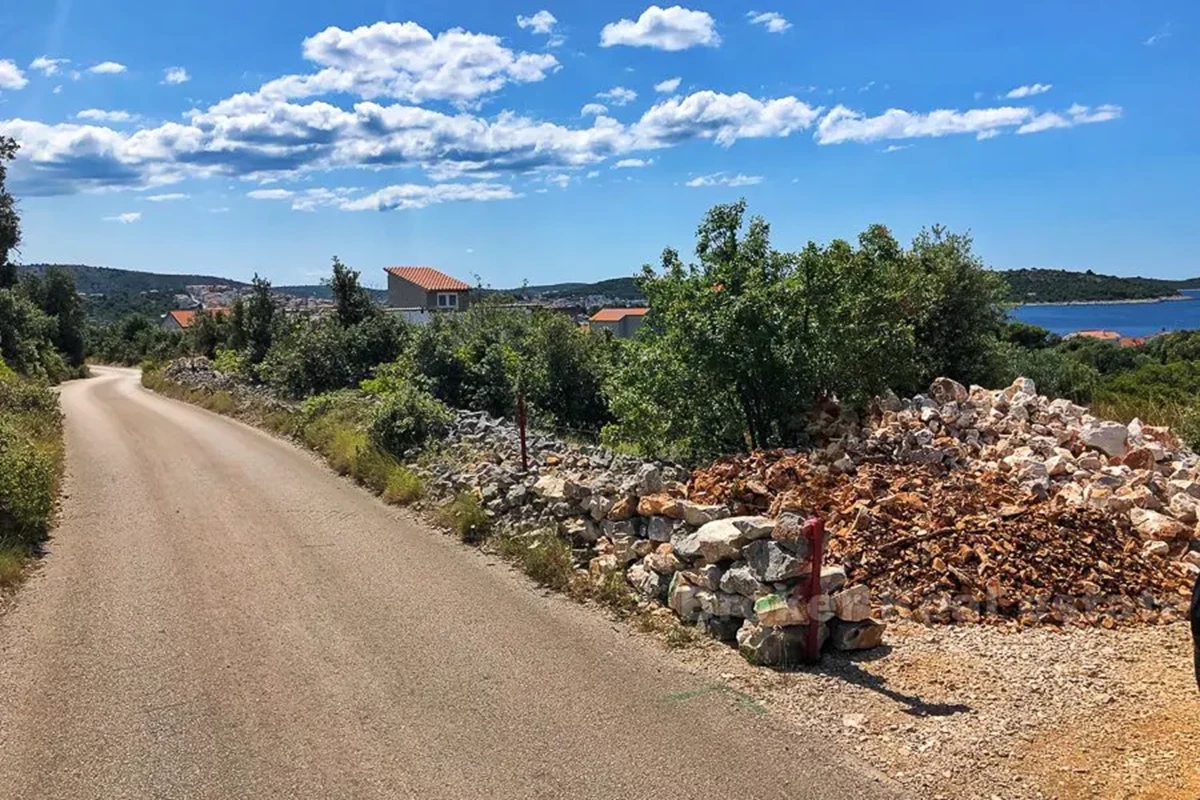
column 256, row 325
column 353, row 302
column 10, row 223
column 960, row 311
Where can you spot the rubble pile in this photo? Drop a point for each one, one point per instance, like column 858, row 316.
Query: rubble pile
column 990, row 505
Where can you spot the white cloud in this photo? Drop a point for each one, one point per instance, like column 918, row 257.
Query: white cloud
column 57, row 89
column 126, row 218
column 167, row 198
column 896, row 148
column 561, row 180
column 542, row 22
column 724, row 179
column 107, row 68
column 270, row 194
column 667, row 86
column 618, row 95
column 402, row 60
column 674, row 28
column 11, row 76
column 411, row 195
column 844, row 125
column 723, row 117
column 1160, row 36
column 592, row 173
column 221, row 210
column 1075, row 115
column 868, row 86
column 173, row 76
column 47, row 66
column 630, row 163
column 773, row 21
column 99, row 115
column 1029, row 91
column 593, row 110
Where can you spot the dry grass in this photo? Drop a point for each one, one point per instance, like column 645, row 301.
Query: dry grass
column 544, row 557
column 12, row 566
column 466, row 517
column 402, row 487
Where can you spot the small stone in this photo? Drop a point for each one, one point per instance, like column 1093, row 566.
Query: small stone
column 857, row 635
column 853, row 604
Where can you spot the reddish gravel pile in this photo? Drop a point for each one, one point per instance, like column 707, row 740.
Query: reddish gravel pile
column 960, row 546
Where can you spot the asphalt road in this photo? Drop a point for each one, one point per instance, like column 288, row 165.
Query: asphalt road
column 222, row 617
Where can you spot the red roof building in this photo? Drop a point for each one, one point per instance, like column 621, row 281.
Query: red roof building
column 425, row 288
column 622, row 322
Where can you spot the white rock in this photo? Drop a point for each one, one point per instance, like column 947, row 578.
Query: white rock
column 1107, row 437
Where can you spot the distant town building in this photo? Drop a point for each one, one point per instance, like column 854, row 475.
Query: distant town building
column 178, row 320
column 183, row 318
column 425, row 289
column 623, row 322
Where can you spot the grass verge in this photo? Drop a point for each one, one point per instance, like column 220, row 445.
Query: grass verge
column 31, row 466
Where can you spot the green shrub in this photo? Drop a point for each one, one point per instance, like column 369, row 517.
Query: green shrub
column 406, row 418
column 30, row 459
column 372, row 467
column 403, row 487
column 234, row 362
column 466, row 517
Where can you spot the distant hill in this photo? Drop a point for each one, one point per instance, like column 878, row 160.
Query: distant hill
column 111, row 293
column 1063, row 286
column 618, row 288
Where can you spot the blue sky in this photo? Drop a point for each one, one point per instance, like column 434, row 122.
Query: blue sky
column 573, row 141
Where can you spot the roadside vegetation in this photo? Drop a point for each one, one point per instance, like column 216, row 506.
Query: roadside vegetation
column 739, row 348
column 42, row 342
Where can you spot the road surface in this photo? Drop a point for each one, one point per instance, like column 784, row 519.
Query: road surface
column 222, row 617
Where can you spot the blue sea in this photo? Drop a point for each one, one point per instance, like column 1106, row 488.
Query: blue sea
column 1127, row 319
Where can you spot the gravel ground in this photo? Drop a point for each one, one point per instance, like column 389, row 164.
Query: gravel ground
column 980, row 712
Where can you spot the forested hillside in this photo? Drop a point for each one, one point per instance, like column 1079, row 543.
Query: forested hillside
column 1062, row 286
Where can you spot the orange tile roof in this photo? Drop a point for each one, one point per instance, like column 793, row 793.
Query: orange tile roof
column 428, row 279
column 617, row 314
column 1099, row 334
column 183, row 317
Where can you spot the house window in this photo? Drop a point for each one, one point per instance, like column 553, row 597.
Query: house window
column 447, row 300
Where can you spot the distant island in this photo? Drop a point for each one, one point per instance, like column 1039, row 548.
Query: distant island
column 1029, row 286
column 110, row 293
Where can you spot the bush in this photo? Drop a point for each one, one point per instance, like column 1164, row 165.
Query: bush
column 405, row 418
column 466, row 517
column 30, row 459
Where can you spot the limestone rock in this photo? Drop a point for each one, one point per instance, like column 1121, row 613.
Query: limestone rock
column 1153, row 525
column 1106, row 436
column 777, row 610
column 856, row 635
column 853, row 604
column 771, row 563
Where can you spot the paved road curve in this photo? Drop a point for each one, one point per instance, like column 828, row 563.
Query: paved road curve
column 220, row 617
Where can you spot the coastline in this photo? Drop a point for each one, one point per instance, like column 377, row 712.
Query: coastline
column 1141, row 301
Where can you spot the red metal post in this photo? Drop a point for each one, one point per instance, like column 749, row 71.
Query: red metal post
column 814, row 530
column 521, row 429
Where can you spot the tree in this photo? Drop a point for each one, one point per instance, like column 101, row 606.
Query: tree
column 961, row 310
column 258, row 319
column 10, row 223
column 353, row 302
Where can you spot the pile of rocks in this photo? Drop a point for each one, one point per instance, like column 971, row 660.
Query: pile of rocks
column 742, row 579
column 997, row 505
column 198, row 373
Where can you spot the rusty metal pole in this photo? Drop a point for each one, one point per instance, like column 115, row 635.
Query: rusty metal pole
column 814, row 530
column 521, row 430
